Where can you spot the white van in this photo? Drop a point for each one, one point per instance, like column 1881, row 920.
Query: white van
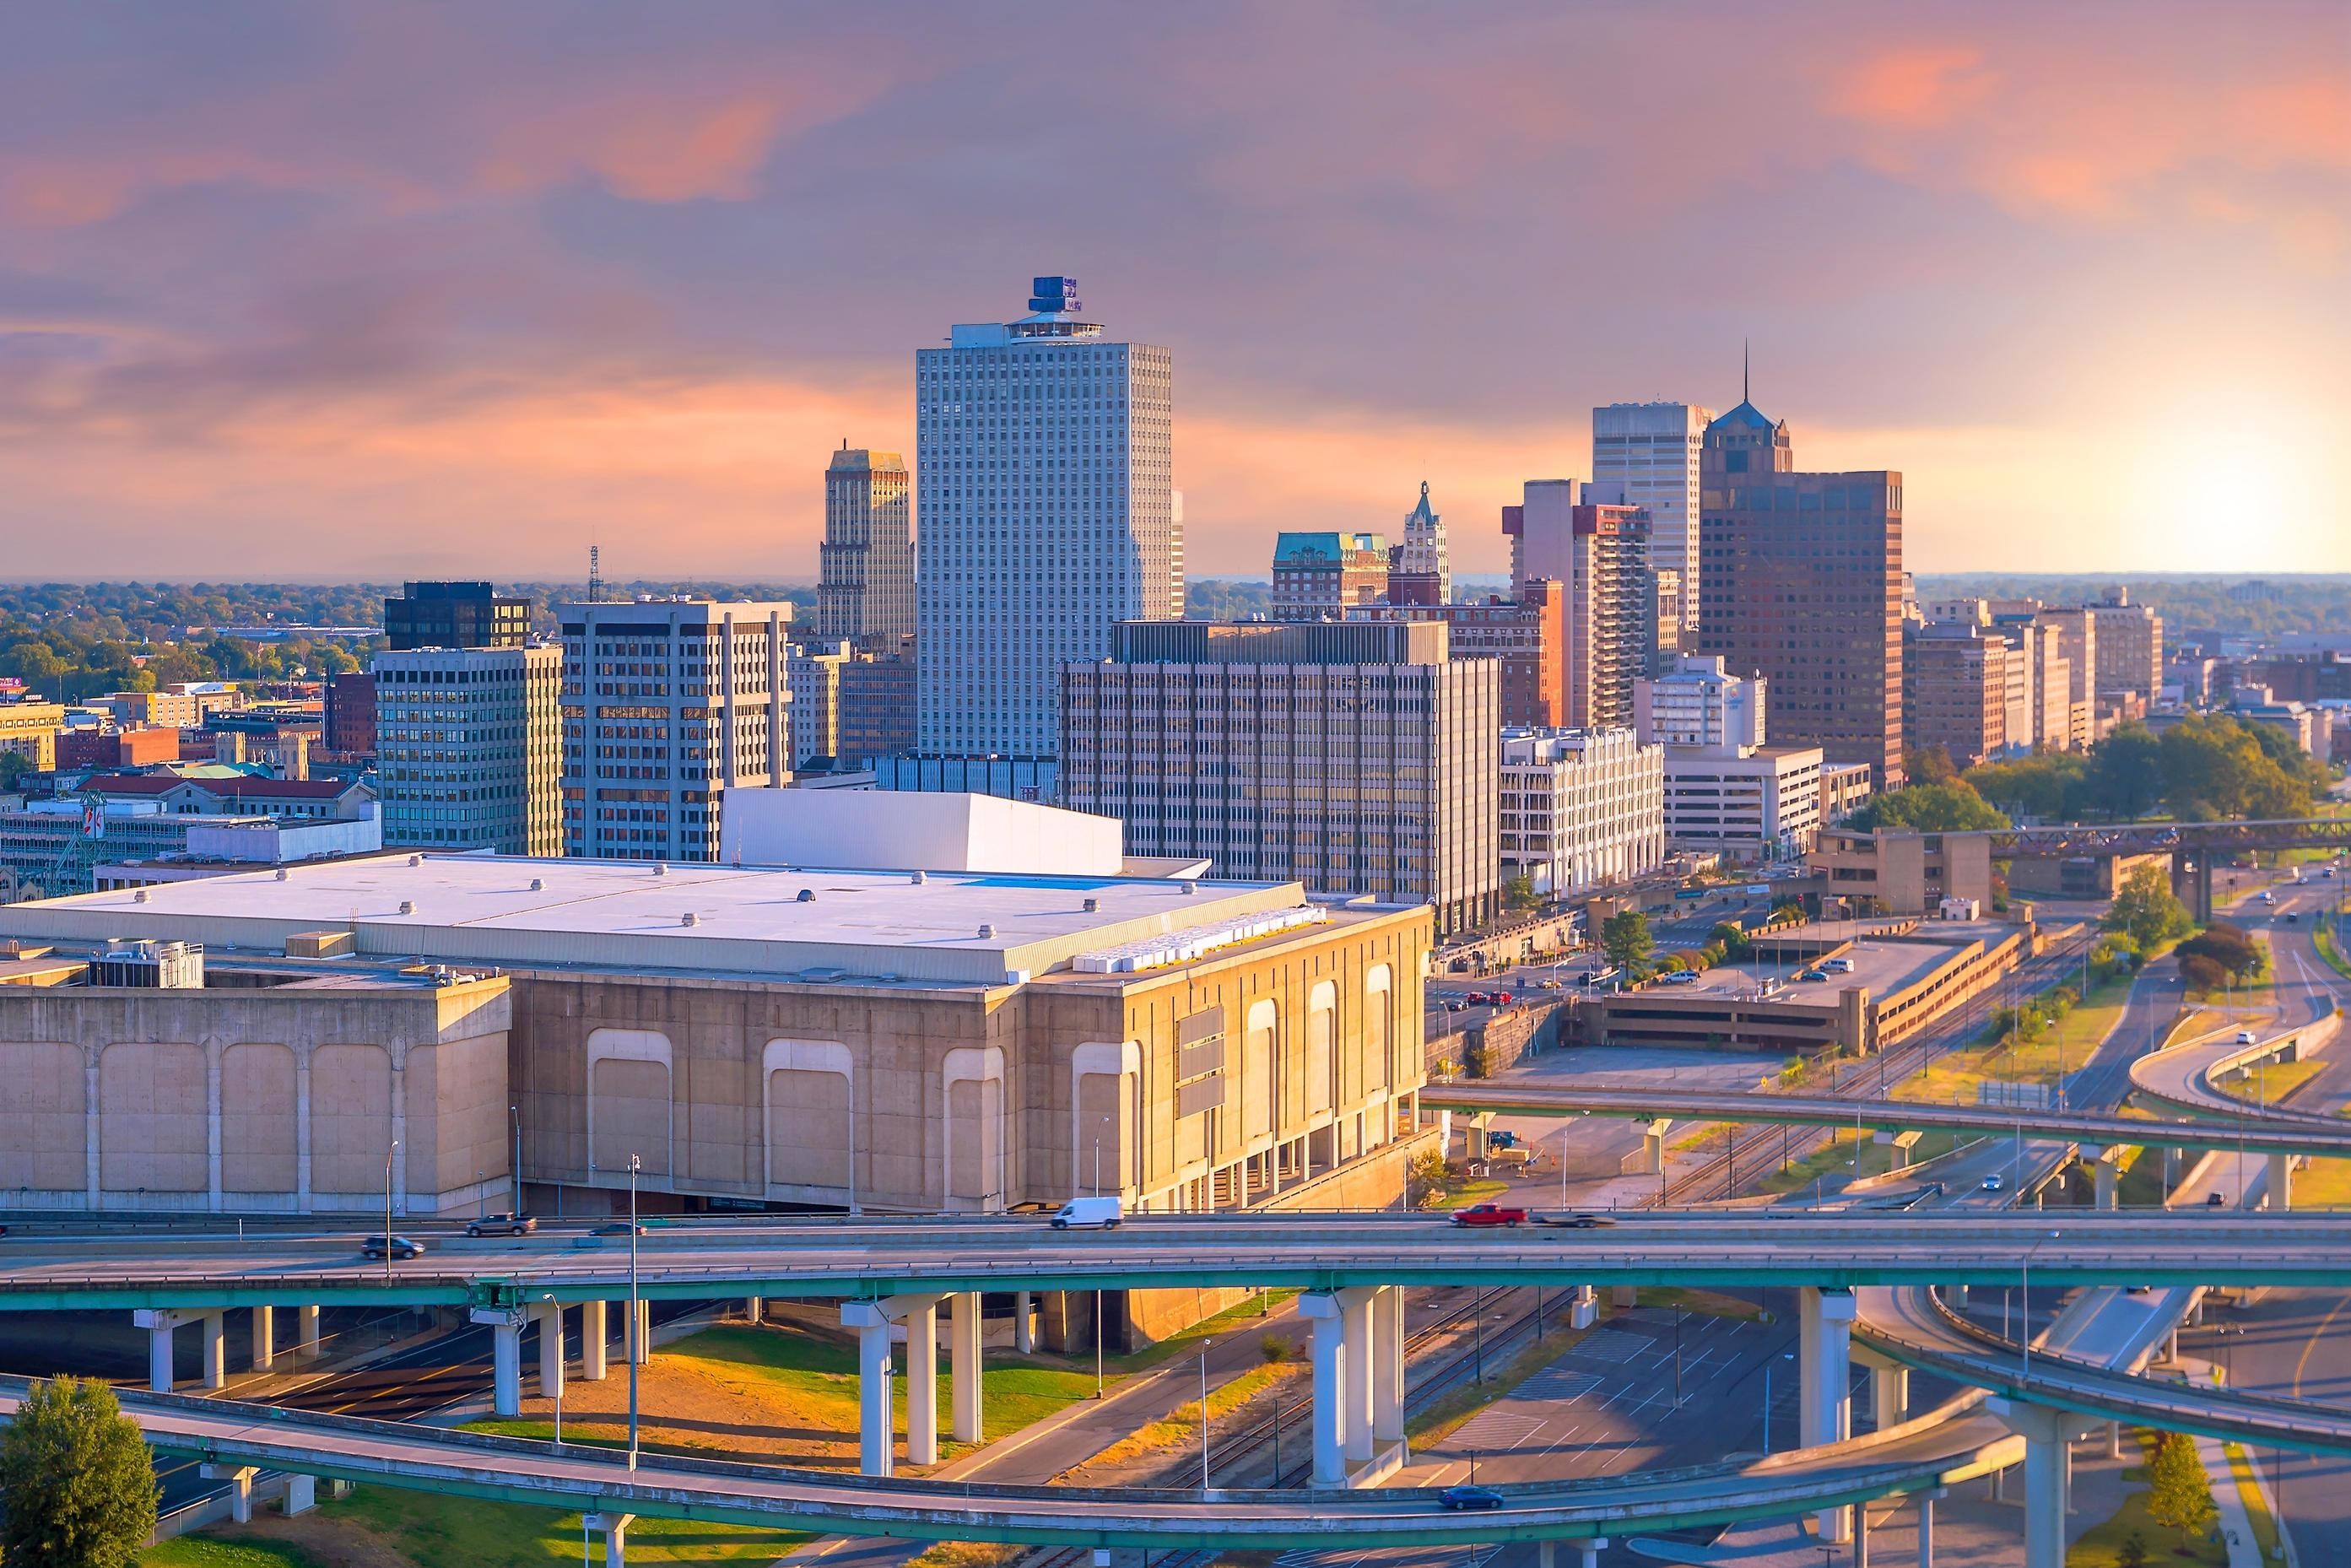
column 1838, row 966
column 1088, row 1214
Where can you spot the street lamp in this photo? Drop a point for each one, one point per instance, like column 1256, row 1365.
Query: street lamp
column 636, row 1336
column 2025, row 1307
column 387, row 1207
column 516, row 1111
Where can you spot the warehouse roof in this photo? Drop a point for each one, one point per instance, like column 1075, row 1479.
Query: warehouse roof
column 774, row 923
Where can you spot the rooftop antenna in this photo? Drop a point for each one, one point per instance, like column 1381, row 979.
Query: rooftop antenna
column 1742, row 371
column 595, row 577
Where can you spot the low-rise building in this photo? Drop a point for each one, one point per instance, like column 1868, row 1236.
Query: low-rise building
column 1581, row 809
column 1321, row 576
column 1902, row 871
column 28, row 728
column 1749, row 804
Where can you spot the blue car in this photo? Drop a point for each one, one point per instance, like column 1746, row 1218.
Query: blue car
column 1465, row 1499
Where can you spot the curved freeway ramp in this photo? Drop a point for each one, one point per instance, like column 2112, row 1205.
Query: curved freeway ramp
column 2180, row 1076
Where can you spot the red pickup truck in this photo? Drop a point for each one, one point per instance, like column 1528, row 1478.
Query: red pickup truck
column 1489, row 1214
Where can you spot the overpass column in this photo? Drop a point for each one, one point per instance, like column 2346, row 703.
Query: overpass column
column 755, row 1308
column 875, row 1420
column 1889, row 1396
column 2046, row 1455
column 301, row 1494
column 504, row 1324
column 265, row 1338
column 963, row 1366
column 2104, row 1176
column 615, row 1527
column 1387, row 1366
column 158, row 1322
column 1592, row 1550
column 2281, row 1182
column 216, row 1336
column 1828, row 1367
column 1653, row 1145
column 592, row 1342
column 1330, row 1350
column 922, row 1320
column 1355, row 1308
column 305, row 1331
column 551, row 1349
column 1926, row 1500
column 1024, row 1308
column 1584, row 1307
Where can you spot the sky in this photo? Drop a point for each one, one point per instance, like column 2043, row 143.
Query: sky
column 322, row 290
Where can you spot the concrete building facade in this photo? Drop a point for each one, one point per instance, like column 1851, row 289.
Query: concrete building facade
column 1956, row 691
column 1421, row 570
column 1356, row 757
column 667, row 704
column 1527, row 636
column 1581, row 809
column 1746, row 804
column 2129, row 649
column 469, row 745
column 1321, row 576
column 1049, row 515
column 1652, row 451
column 1701, row 704
column 1611, row 613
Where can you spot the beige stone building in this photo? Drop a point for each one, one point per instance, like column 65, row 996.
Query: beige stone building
column 750, row 1035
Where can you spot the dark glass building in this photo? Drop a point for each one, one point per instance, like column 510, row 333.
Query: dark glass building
column 454, row 615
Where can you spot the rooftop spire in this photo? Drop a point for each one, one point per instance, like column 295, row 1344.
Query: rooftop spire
column 1743, row 396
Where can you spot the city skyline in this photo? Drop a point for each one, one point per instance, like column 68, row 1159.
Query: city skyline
column 396, row 283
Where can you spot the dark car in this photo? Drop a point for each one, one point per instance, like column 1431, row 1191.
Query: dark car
column 2214, row 1200
column 1467, row 1498
column 382, row 1246
column 1580, row 1221
column 622, row 1227
column 502, row 1224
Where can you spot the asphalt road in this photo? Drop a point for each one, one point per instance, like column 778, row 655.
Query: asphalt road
column 2293, row 1344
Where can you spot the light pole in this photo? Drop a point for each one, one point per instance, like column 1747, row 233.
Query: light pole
column 387, row 1207
column 558, row 1356
column 516, row 1111
column 1098, row 1295
column 2025, row 1309
column 636, row 1336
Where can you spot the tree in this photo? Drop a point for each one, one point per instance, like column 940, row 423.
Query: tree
column 1950, row 808
column 1929, row 764
column 2231, row 948
column 2048, row 787
column 1519, row 894
column 2125, row 778
column 82, row 1491
column 2145, row 909
column 2179, row 1494
column 2132, row 1553
column 1625, row 937
column 14, row 766
column 1731, row 939
column 2201, row 975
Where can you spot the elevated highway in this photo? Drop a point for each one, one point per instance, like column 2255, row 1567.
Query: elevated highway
column 2282, row 1133
column 869, row 1259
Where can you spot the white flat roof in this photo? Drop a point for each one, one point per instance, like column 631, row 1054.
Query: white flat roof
column 622, row 914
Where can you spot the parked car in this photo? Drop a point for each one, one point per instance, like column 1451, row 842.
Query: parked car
column 1813, row 976
column 502, row 1224
column 1838, row 966
column 1088, row 1214
column 1458, row 1500
column 1501, row 1138
column 380, row 1246
column 1683, row 977
column 1478, row 1214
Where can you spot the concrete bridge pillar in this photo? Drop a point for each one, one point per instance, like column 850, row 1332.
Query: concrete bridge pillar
column 550, row 1316
column 158, row 1322
column 1355, row 1318
column 2105, row 1176
column 1323, row 1311
column 1592, row 1550
column 615, row 1530
column 301, row 1494
column 2047, row 1455
column 755, row 1308
column 306, row 1332
column 876, row 1423
column 216, row 1337
column 922, row 1319
column 1889, row 1396
column 1826, row 1338
column 592, row 1342
column 1926, row 1500
column 1480, row 1122
column 1024, row 1308
column 963, row 1366
column 1653, row 1145
column 265, row 1338
column 504, row 1324
column 1387, row 1366
column 1582, row 1307
column 240, row 1496
column 2281, row 1182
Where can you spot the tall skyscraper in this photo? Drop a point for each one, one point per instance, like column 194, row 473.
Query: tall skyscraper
column 1048, row 516
column 1800, row 580
column 469, row 747
column 1652, row 449
column 667, row 704
column 1423, row 572
column 1354, row 756
column 1611, row 610
column 865, row 588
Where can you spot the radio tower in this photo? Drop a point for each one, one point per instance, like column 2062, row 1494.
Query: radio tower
column 595, row 578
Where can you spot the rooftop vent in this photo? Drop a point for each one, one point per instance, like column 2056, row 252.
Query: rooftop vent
column 987, row 930
column 689, row 919
column 808, row 895
column 1094, row 907
column 660, row 870
column 408, row 906
column 281, row 873
column 918, row 878
column 539, row 884
column 416, row 859
column 1190, row 887
column 141, row 896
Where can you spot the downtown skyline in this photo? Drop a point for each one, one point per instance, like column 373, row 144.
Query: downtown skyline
column 413, row 293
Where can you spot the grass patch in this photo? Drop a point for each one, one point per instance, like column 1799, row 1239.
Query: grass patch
column 2330, row 947
column 968, row 1554
column 2270, row 1082
column 2257, row 1506
column 2322, row 1184
column 428, row 1528
column 2101, row 1546
column 212, row 1551
column 1181, row 1425
column 1703, row 1303
column 2062, row 1047
column 1835, row 1158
